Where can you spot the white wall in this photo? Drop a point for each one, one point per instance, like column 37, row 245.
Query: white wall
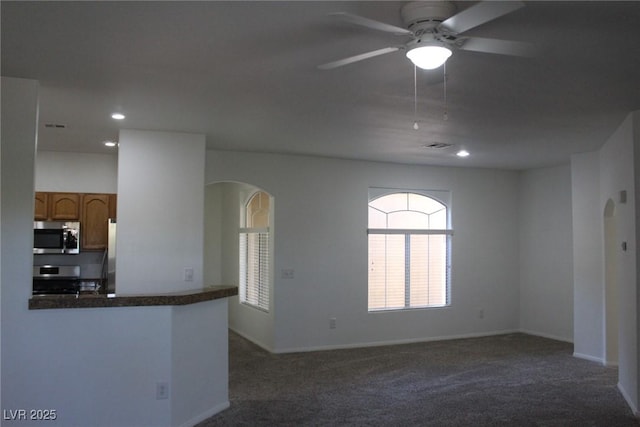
column 76, row 172
column 320, row 233
column 18, row 139
column 200, row 362
column 160, row 211
column 588, row 308
column 598, row 178
column 616, row 174
column 546, row 255
column 213, row 245
column 634, row 246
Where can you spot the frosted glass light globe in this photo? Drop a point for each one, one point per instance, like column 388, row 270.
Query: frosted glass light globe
column 429, row 57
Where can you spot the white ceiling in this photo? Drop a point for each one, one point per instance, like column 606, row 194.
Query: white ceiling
column 245, row 74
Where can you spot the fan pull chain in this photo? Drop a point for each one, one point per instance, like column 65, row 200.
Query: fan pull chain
column 415, row 98
column 445, row 116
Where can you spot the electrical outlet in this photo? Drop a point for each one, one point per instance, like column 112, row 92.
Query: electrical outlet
column 162, row 390
column 481, row 313
column 332, row 323
column 188, row 274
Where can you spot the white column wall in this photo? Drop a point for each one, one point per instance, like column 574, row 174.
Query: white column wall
column 635, row 244
column 213, row 245
column 617, row 174
column 546, row 255
column 18, row 139
column 588, row 266
column 160, row 211
column 597, row 178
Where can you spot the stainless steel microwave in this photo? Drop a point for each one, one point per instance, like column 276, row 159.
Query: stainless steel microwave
column 56, row 237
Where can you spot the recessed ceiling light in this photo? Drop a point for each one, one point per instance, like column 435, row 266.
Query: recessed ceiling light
column 111, row 144
column 462, row 153
column 117, row 116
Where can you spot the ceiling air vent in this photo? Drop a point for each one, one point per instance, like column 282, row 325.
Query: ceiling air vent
column 436, row 145
column 55, row 126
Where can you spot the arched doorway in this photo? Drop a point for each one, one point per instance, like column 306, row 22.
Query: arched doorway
column 610, row 285
column 238, row 246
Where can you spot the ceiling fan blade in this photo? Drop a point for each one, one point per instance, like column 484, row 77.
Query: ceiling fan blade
column 479, row 14
column 501, row 47
column 356, row 58
column 370, row 23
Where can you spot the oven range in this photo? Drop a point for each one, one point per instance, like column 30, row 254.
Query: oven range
column 56, row 279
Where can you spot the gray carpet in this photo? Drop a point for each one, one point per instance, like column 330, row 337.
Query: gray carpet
column 506, row 380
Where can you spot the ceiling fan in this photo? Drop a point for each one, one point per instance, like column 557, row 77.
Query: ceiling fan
column 435, row 29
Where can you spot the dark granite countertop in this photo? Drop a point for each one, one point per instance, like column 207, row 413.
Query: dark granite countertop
column 38, row 302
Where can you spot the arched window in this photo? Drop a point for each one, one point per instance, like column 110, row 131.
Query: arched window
column 254, row 252
column 409, row 247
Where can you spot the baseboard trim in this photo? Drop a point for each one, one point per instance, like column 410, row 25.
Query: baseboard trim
column 406, row 341
column 393, row 342
column 589, row 358
column 207, row 414
column 627, row 399
column 372, row 343
column 253, row 340
column 543, row 335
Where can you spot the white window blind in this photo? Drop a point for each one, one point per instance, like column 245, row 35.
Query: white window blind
column 254, row 268
column 255, row 252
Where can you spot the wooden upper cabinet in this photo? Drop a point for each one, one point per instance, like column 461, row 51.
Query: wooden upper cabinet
column 41, row 212
column 92, row 210
column 94, row 222
column 64, row 206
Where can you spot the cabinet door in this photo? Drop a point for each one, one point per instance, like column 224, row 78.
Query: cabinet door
column 41, row 213
column 94, row 222
column 64, row 206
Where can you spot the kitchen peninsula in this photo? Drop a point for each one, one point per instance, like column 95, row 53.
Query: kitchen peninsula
column 101, row 300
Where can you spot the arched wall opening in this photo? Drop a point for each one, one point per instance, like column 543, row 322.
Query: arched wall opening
column 225, row 204
column 611, row 329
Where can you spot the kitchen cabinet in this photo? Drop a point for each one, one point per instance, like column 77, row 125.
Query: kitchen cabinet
column 41, row 205
column 64, row 206
column 92, row 210
column 94, row 221
column 57, row 206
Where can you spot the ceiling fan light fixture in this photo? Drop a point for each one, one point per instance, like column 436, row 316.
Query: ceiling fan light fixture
column 429, row 56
